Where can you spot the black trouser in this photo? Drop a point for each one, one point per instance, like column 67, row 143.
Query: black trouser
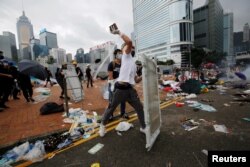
column 62, row 87
column 27, row 92
column 122, row 94
column 90, row 80
column 6, row 88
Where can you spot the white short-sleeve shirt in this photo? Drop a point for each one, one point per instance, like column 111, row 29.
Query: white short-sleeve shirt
column 127, row 70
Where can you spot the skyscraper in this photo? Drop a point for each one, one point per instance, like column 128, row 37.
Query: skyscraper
column 163, row 29
column 5, row 46
column 25, row 33
column 59, row 55
column 79, row 55
column 228, row 36
column 69, row 57
column 208, row 26
column 8, row 45
column 37, row 49
column 48, row 38
column 246, row 33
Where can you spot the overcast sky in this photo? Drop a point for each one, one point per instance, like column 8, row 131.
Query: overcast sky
column 84, row 23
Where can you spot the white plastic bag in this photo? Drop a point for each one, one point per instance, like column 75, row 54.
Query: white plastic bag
column 123, row 126
column 36, row 153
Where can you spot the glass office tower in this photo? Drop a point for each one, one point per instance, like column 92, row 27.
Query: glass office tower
column 208, row 26
column 25, row 33
column 164, row 29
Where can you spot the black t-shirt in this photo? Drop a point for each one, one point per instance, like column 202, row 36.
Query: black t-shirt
column 79, row 70
column 88, row 72
column 115, row 68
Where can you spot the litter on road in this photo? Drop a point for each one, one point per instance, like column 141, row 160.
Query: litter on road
column 96, row 148
column 221, row 128
column 123, row 126
column 246, row 119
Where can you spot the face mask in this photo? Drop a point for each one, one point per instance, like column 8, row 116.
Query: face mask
column 119, row 56
column 133, row 53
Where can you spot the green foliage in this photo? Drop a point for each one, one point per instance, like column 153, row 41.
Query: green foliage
column 199, row 56
column 50, row 60
column 167, row 62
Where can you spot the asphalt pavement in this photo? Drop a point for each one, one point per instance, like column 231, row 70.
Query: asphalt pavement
column 174, row 146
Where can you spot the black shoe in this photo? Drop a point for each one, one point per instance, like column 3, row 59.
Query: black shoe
column 111, row 118
column 32, row 100
column 16, row 98
column 4, row 106
column 28, row 101
column 125, row 116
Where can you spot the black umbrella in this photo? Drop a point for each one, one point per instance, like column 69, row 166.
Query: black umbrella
column 97, row 61
column 32, row 68
column 240, row 75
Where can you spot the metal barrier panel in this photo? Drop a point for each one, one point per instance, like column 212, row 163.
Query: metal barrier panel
column 152, row 111
column 73, row 84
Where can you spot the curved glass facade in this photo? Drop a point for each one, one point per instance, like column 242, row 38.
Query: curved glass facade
column 159, row 26
column 181, row 10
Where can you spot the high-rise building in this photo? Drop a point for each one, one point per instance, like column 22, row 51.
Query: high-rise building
column 5, row 46
column 25, row 33
column 59, row 55
column 8, row 45
column 246, row 34
column 79, row 55
column 208, row 26
column 48, row 38
column 239, row 45
column 69, row 57
column 102, row 51
column 228, row 37
column 38, row 50
column 163, row 29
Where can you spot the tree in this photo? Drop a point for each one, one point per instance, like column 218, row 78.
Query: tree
column 199, row 56
column 50, row 60
column 170, row 62
column 167, row 62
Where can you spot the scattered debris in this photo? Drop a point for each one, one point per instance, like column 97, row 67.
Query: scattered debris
column 247, row 92
column 191, row 96
column 246, row 119
column 221, row 128
column 95, row 165
column 207, row 123
column 123, row 126
column 207, row 100
column 190, row 124
column 96, row 148
column 201, row 106
column 179, row 104
column 205, row 152
column 226, row 105
column 119, row 133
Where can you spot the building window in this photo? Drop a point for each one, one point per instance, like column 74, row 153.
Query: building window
column 180, row 32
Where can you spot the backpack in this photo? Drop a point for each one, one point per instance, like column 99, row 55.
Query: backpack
column 51, row 107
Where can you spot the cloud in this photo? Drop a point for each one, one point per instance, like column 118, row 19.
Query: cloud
column 84, row 23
